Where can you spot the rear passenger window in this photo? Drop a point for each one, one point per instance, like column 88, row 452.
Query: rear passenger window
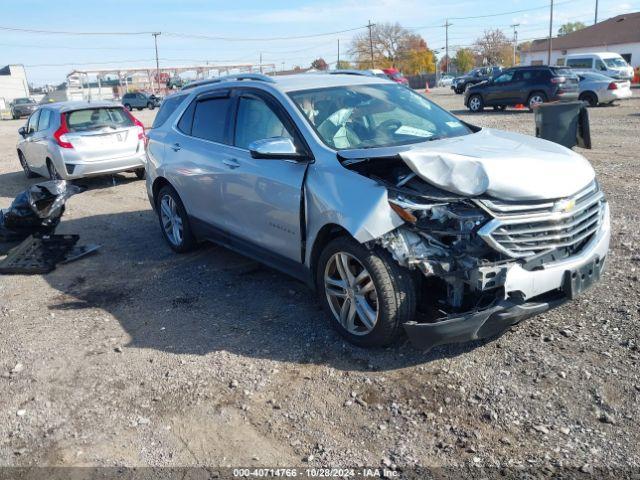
column 166, row 109
column 210, row 119
column 579, row 63
column 45, row 120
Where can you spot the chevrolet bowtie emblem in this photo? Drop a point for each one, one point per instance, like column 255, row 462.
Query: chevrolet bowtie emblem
column 564, row 205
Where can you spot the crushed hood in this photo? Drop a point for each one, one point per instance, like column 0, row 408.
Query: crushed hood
column 504, row 165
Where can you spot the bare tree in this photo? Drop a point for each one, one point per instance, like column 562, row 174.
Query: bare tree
column 495, row 47
column 393, row 46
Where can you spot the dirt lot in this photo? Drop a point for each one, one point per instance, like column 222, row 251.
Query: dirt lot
column 138, row 356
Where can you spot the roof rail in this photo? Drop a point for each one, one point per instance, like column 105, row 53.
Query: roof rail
column 230, row 78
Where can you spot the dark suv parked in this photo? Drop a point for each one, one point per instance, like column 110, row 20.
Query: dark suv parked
column 523, row 85
column 475, row 76
column 140, row 100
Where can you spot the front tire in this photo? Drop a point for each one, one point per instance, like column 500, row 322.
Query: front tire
column 150, row 106
column 128, row 107
column 25, row 166
column 174, row 221
column 140, row 173
column 475, row 103
column 367, row 295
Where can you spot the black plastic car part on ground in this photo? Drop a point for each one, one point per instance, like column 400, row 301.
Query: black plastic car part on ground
column 36, row 210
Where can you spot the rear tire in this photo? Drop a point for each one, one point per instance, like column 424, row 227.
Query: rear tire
column 475, row 103
column 536, row 98
column 174, row 221
column 590, row 98
column 139, row 108
column 25, row 166
column 377, row 290
column 150, row 106
column 53, row 172
column 128, row 107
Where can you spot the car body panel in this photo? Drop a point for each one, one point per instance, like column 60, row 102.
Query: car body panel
column 278, row 211
column 598, row 84
column 95, row 152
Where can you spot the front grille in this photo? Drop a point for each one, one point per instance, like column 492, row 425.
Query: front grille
column 530, row 228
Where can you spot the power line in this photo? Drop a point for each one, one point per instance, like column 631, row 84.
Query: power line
column 59, row 32
column 264, row 39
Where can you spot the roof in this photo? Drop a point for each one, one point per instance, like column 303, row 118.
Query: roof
column 292, row 83
column 621, row 29
column 70, row 106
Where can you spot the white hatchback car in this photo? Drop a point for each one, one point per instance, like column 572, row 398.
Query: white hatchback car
column 71, row 140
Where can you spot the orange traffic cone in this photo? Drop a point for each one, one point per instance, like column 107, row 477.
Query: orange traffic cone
column 426, row 90
column 519, row 107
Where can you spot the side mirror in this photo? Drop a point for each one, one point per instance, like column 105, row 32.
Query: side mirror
column 22, row 131
column 275, row 148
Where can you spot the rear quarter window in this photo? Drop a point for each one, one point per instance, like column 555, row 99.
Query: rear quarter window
column 95, row 118
column 166, row 109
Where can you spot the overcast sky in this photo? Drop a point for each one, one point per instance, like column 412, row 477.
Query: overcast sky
column 49, row 57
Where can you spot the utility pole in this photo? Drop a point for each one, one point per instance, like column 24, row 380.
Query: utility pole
column 550, row 34
column 338, row 64
column 596, row 19
column 260, row 62
column 370, row 26
column 515, row 41
column 155, row 41
column 446, row 47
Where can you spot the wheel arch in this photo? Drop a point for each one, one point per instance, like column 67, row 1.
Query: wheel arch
column 158, row 183
column 325, row 235
column 587, row 93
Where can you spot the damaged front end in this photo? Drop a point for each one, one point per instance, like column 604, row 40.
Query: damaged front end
column 469, row 286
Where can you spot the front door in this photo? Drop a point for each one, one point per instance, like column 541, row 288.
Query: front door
column 501, row 90
column 262, row 198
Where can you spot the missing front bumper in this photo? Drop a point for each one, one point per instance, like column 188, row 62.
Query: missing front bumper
column 477, row 325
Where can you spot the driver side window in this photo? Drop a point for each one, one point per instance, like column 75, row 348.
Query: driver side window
column 504, row 78
column 257, row 121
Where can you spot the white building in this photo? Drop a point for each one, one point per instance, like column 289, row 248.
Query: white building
column 619, row 34
column 13, row 84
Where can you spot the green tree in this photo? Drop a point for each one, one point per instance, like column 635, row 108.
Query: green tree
column 344, row 65
column 464, row 60
column 570, row 27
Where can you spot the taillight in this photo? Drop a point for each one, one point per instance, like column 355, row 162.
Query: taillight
column 612, row 86
column 558, row 79
column 60, row 134
column 138, row 123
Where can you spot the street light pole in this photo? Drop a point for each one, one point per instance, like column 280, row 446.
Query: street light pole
column 446, row 34
column 370, row 26
column 596, row 18
column 515, row 41
column 155, row 41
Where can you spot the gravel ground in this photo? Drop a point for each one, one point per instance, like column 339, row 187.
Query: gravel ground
column 140, row 357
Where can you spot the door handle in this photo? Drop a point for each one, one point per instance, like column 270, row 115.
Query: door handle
column 231, row 163
column 175, row 147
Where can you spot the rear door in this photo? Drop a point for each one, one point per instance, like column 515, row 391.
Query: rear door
column 103, row 133
column 262, row 198
column 195, row 155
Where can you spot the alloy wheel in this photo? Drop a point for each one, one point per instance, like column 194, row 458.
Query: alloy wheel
column 351, row 293
column 171, row 220
column 474, row 104
column 535, row 100
column 53, row 172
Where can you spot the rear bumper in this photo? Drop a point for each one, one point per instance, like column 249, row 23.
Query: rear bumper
column 566, row 96
column 76, row 169
column 612, row 95
column 555, row 284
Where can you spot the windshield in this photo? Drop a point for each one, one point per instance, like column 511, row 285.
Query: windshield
column 370, row 116
column 22, row 101
column 615, row 62
column 95, row 118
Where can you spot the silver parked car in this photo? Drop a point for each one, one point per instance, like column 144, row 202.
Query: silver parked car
column 71, row 140
column 381, row 201
column 596, row 88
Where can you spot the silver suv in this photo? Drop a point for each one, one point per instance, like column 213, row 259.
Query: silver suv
column 401, row 216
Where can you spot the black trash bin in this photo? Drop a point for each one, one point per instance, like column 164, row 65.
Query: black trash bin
column 566, row 123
